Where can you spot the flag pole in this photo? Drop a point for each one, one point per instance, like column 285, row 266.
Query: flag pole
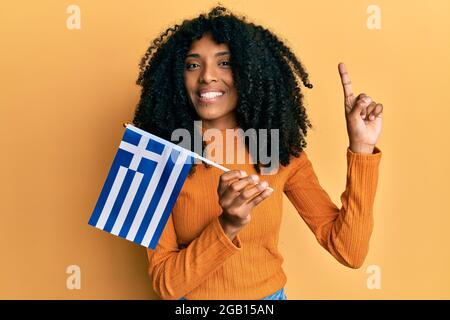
column 218, row 166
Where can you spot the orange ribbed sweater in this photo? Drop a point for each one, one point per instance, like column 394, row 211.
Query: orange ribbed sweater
column 195, row 259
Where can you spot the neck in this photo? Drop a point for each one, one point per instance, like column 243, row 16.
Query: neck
column 221, row 124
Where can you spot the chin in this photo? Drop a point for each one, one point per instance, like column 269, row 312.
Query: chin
column 208, row 114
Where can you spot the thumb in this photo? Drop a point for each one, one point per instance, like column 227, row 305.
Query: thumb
column 359, row 109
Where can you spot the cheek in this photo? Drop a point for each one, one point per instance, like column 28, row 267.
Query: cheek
column 189, row 82
column 229, row 81
column 232, row 99
column 233, row 93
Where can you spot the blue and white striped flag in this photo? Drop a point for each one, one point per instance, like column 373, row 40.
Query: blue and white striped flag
column 142, row 186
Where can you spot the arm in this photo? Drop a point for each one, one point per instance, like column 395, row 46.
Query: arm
column 344, row 232
column 175, row 272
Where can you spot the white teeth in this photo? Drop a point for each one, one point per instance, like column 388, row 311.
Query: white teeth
column 211, row 95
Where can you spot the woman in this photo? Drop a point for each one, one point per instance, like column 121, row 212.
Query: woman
column 221, row 239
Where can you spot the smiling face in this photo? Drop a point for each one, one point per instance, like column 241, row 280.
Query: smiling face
column 209, row 83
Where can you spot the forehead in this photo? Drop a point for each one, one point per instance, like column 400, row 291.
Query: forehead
column 206, row 44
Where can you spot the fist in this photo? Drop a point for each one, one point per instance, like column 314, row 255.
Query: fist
column 238, row 195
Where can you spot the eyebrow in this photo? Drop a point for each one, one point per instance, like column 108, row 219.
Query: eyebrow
column 196, row 55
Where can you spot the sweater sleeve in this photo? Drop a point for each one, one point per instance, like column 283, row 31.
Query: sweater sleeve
column 175, row 272
column 344, row 232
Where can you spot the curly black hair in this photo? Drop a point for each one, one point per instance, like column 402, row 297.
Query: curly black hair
column 264, row 73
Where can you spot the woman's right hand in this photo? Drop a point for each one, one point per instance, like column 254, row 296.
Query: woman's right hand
column 238, row 195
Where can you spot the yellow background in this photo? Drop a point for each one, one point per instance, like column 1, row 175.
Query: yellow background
column 65, row 93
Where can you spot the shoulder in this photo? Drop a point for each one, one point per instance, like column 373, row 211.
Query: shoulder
column 299, row 161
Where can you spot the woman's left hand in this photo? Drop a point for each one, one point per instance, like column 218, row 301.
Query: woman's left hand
column 363, row 116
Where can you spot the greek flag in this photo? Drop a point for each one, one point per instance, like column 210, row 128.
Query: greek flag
column 141, row 188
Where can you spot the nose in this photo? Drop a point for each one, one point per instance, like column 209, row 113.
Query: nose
column 208, row 74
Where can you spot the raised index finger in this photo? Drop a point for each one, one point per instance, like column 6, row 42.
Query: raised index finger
column 346, row 83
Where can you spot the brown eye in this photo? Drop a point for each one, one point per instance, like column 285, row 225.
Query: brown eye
column 227, row 63
column 190, row 66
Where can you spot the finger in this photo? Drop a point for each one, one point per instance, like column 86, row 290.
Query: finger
column 239, row 185
column 379, row 109
column 346, row 84
column 350, row 108
column 248, row 194
column 360, row 107
column 234, row 189
column 363, row 96
column 227, row 178
column 261, row 197
column 377, row 112
column 369, row 110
